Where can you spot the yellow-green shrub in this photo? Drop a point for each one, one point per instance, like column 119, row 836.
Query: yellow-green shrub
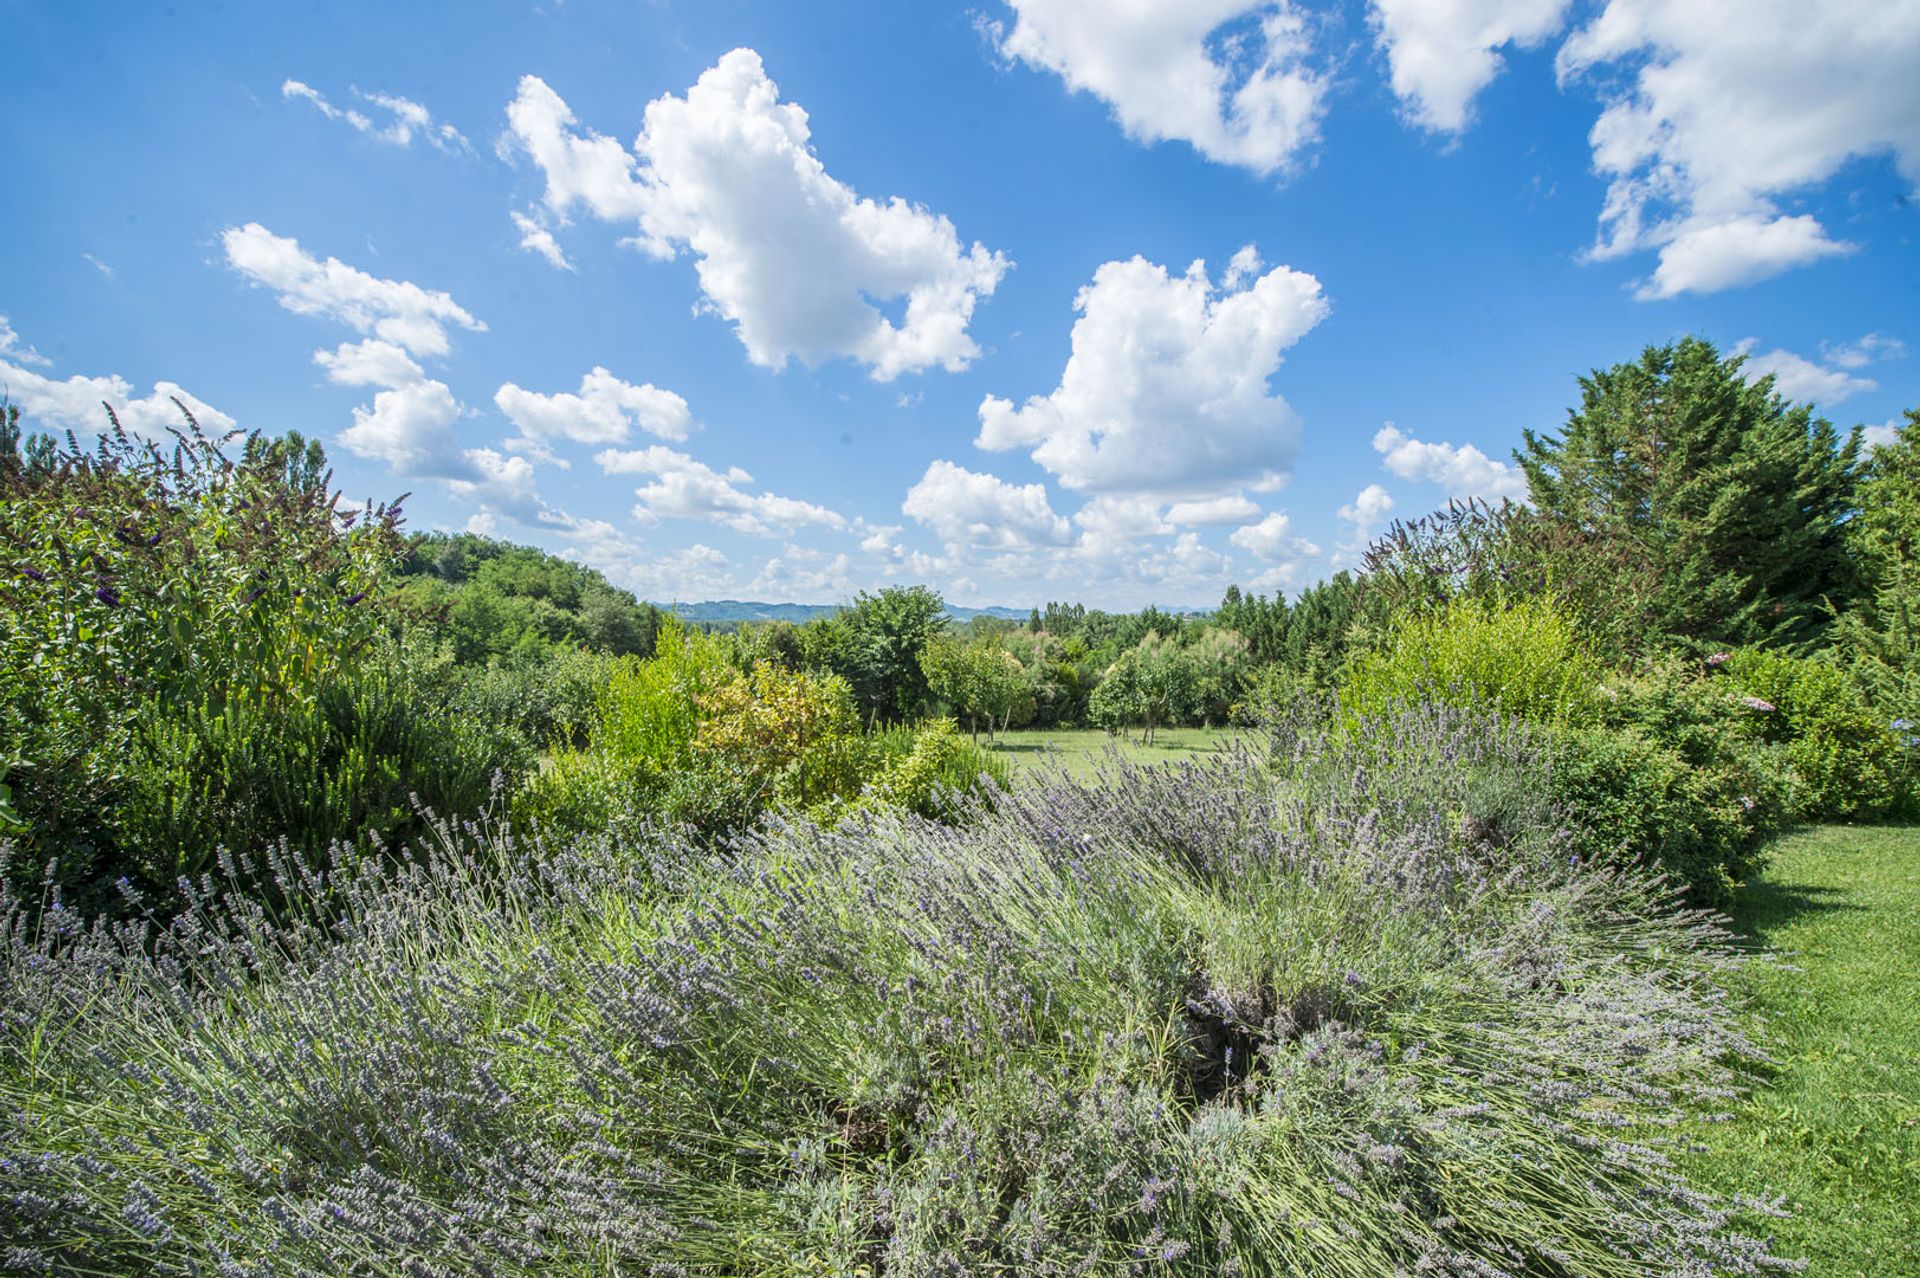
column 1523, row 660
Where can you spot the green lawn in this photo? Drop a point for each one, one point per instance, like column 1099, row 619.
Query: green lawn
column 1080, row 750
column 1838, row 1128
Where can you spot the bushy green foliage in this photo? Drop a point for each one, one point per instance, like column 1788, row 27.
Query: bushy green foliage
column 191, row 656
column 931, row 771
column 1151, row 683
column 875, row 645
column 1878, row 639
column 1524, row 660
column 549, row 701
column 1499, row 554
column 690, row 739
column 1846, row 760
column 978, row 680
column 1627, row 797
column 1675, row 775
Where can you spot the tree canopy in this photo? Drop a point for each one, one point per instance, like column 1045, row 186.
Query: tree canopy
column 1728, row 501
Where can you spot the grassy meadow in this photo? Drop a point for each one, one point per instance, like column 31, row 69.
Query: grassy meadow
column 1081, row 751
column 1835, row 1125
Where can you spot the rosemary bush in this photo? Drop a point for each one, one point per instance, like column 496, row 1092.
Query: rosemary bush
column 1212, row 1020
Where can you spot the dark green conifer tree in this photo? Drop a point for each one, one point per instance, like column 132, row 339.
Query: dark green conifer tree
column 1730, row 502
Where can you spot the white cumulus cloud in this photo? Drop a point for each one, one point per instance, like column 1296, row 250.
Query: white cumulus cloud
column 11, row 349
column 410, row 428
column 1166, row 390
column 1462, row 469
column 372, row 362
column 1273, row 540
column 605, row 411
column 398, row 311
column 1441, row 54
column 967, row 509
column 1232, row 509
column 1363, row 516
column 1724, row 109
column 79, row 403
column 411, row 423
column 1799, row 378
column 792, row 257
column 684, row 488
column 1233, row 78
column 1871, row 349
column 580, row 166
column 1881, row 435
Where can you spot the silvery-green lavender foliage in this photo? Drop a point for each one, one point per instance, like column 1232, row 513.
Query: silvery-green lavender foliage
column 1184, row 1021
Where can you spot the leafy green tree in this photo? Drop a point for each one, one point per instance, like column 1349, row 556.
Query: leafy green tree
column 1221, row 662
column 301, row 463
column 1150, row 684
column 875, row 645
column 1499, row 555
column 980, row 681
column 1728, row 502
column 490, row 601
column 1322, row 626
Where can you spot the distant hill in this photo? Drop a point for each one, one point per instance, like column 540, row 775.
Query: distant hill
column 734, row 612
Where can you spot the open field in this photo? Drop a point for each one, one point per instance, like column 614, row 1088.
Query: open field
column 1838, row 1131
column 1080, row 750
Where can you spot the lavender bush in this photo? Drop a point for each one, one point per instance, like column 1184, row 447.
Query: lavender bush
column 1195, row 1021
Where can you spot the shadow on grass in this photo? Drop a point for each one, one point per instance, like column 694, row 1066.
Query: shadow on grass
column 1766, row 905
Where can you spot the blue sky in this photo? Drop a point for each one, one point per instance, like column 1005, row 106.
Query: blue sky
column 784, row 301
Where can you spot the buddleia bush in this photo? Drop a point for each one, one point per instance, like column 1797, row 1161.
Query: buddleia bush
column 192, row 656
column 1196, row 1021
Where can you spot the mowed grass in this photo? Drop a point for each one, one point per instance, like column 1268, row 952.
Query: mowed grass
column 1838, row 1128
column 1080, row 750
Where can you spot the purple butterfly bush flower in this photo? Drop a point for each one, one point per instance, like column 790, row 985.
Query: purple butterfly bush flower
column 106, row 596
column 33, row 573
column 1719, row 659
column 1755, row 703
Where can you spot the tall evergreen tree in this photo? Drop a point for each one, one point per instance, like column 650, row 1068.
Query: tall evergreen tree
column 1882, row 632
column 1730, row 501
